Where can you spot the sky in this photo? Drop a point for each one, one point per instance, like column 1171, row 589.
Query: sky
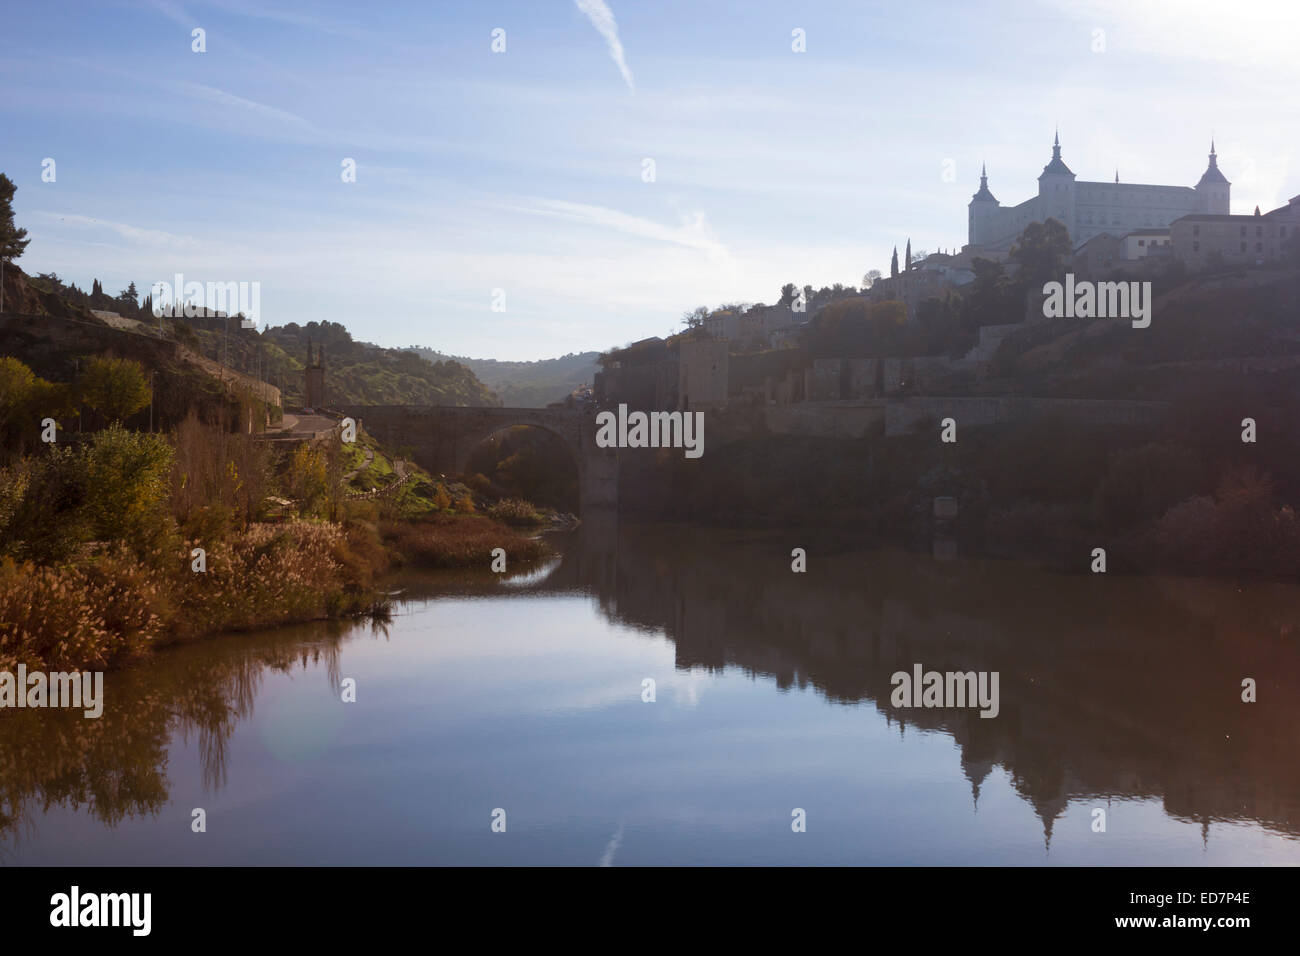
column 519, row 179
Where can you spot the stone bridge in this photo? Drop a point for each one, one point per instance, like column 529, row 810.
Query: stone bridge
column 442, row 437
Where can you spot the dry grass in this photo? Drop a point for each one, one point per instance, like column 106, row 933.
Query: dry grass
column 457, row 542
column 103, row 610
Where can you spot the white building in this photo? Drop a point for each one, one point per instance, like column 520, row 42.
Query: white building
column 1088, row 209
column 1141, row 243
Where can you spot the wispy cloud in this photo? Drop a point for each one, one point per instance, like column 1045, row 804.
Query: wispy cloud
column 221, row 97
column 602, row 18
column 693, row 233
column 145, row 237
column 614, row 843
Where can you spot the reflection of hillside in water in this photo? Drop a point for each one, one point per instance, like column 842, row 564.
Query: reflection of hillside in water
column 1110, row 685
column 116, row 765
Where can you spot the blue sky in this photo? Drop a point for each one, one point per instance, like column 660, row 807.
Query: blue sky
column 522, row 170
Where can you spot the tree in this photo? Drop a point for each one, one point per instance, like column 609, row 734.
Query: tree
column 788, row 292
column 129, row 297
column 24, row 401
column 12, row 239
column 307, row 480
column 870, row 278
column 1041, row 252
column 126, row 486
column 990, row 297
column 116, row 388
column 694, row 319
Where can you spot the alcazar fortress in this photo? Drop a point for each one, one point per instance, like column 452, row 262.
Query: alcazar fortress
column 1089, row 209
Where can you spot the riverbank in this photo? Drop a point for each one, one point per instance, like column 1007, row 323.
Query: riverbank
column 108, row 606
column 1184, row 500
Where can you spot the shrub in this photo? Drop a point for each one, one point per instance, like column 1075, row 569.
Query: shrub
column 45, row 496
column 515, row 511
column 440, row 498
column 1142, row 483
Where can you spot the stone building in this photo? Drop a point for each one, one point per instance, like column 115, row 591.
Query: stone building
column 1236, row 240
column 702, row 373
column 1087, row 209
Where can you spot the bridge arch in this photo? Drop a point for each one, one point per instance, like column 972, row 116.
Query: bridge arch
column 442, row 438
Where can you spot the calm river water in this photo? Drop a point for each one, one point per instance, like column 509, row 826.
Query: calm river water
column 524, row 694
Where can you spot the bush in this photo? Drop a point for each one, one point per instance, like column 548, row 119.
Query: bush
column 44, row 496
column 1239, row 529
column 440, row 498
column 515, row 511
column 1142, row 483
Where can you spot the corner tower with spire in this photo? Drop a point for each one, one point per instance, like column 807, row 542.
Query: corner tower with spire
column 1056, row 190
column 1213, row 191
column 979, row 216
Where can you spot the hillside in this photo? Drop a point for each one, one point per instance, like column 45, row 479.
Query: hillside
column 527, row 384
column 359, row 373
column 356, row 372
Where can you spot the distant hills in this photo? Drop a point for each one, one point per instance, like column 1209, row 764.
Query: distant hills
column 527, row 384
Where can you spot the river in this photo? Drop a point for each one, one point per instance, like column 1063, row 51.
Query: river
column 505, row 719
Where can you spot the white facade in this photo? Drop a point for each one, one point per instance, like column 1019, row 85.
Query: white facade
column 1140, row 244
column 1088, row 209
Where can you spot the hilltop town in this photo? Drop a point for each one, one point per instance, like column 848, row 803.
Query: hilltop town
column 952, row 324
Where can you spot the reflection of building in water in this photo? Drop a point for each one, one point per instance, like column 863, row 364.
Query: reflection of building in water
column 1124, row 697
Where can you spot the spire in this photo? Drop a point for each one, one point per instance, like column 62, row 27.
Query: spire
column 893, row 264
column 908, row 260
column 1056, row 165
column 984, row 195
column 1116, row 174
column 1212, row 174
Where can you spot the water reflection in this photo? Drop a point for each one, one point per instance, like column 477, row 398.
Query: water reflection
column 1111, row 687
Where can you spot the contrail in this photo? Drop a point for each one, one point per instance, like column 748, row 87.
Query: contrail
column 602, row 18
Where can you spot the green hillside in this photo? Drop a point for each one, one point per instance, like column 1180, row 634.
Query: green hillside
column 527, row 384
